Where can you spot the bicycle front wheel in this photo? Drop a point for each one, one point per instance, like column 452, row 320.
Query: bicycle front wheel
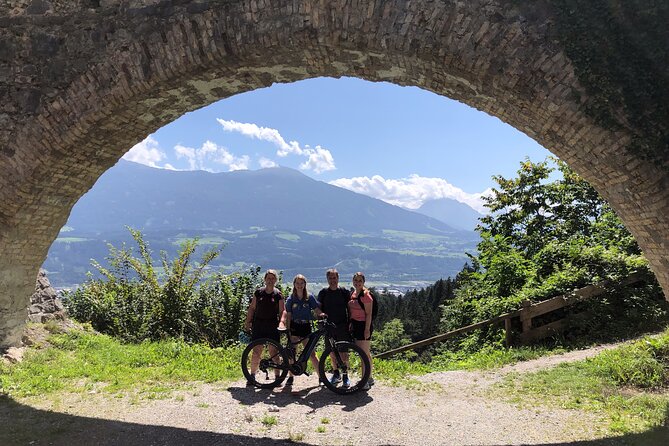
column 352, row 365
column 264, row 363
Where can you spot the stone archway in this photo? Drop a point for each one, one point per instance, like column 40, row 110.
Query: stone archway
column 82, row 82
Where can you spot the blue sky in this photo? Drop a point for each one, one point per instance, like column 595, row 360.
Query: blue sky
column 399, row 144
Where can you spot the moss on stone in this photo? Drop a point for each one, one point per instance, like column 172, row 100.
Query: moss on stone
column 620, row 50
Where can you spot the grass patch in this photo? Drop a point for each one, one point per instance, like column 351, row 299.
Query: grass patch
column 399, row 371
column 629, row 385
column 295, row 436
column 489, row 358
column 80, row 361
column 269, row 420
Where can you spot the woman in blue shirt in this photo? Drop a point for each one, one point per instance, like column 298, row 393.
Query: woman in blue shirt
column 299, row 312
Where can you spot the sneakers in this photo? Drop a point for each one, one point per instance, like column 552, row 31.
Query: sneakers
column 366, row 386
column 345, row 381
column 336, row 378
column 289, row 381
column 370, row 381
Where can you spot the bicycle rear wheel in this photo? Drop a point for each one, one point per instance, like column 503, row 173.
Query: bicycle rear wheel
column 271, row 360
column 352, row 363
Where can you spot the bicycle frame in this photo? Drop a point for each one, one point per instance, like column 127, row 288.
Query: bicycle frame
column 299, row 365
column 344, row 356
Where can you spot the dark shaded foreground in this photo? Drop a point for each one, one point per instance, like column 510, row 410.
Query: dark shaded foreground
column 25, row 425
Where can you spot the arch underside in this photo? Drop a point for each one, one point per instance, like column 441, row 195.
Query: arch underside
column 156, row 64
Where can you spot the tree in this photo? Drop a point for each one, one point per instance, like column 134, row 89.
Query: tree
column 544, row 237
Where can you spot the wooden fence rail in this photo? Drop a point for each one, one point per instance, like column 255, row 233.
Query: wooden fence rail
column 527, row 313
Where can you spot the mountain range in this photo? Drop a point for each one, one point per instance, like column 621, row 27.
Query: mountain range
column 452, row 212
column 276, row 218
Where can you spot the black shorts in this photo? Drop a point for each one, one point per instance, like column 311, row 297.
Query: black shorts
column 264, row 331
column 341, row 332
column 358, row 330
column 300, row 330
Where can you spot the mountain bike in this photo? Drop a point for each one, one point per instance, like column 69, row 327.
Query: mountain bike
column 276, row 360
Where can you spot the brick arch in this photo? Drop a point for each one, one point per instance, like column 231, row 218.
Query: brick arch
column 86, row 84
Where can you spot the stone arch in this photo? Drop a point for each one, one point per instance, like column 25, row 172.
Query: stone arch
column 82, row 83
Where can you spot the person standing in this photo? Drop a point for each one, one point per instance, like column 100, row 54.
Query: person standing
column 334, row 302
column 360, row 308
column 301, row 307
column 263, row 315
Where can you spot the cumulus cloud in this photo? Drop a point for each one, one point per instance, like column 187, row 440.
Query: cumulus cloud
column 146, row 152
column 318, row 159
column 266, row 162
column 200, row 159
column 411, row 192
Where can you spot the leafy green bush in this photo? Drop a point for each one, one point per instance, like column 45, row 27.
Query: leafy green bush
column 133, row 303
column 545, row 238
column 390, row 337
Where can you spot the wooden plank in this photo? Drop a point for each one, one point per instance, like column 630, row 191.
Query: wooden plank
column 508, row 338
column 526, row 314
column 576, row 296
column 450, row 334
column 543, row 331
column 545, row 306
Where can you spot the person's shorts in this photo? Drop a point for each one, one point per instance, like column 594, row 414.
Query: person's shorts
column 300, row 330
column 264, row 332
column 341, row 332
column 358, row 330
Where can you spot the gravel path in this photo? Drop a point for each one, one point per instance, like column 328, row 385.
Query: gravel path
column 445, row 408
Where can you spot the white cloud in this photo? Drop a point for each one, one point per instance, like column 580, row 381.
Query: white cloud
column 266, row 162
column 411, row 192
column 201, row 159
column 318, row 159
column 146, row 152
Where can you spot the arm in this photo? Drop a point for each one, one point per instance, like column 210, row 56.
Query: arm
column 282, row 307
column 285, row 320
column 315, row 306
column 286, row 315
column 368, row 314
column 249, row 314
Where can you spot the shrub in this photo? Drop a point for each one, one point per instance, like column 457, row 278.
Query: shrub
column 132, row 303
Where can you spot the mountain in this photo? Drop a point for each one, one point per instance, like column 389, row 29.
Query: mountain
column 274, row 198
column 275, row 218
column 452, row 212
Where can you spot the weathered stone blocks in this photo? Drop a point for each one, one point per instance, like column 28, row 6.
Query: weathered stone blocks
column 83, row 81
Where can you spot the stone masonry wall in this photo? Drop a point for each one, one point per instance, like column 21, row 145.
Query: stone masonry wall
column 83, row 81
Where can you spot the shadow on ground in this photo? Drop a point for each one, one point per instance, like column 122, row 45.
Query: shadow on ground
column 314, row 397
column 24, row 425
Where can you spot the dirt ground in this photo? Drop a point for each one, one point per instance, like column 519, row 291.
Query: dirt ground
column 444, row 408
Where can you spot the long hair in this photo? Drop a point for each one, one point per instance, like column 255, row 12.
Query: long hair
column 360, row 276
column 306, row 293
